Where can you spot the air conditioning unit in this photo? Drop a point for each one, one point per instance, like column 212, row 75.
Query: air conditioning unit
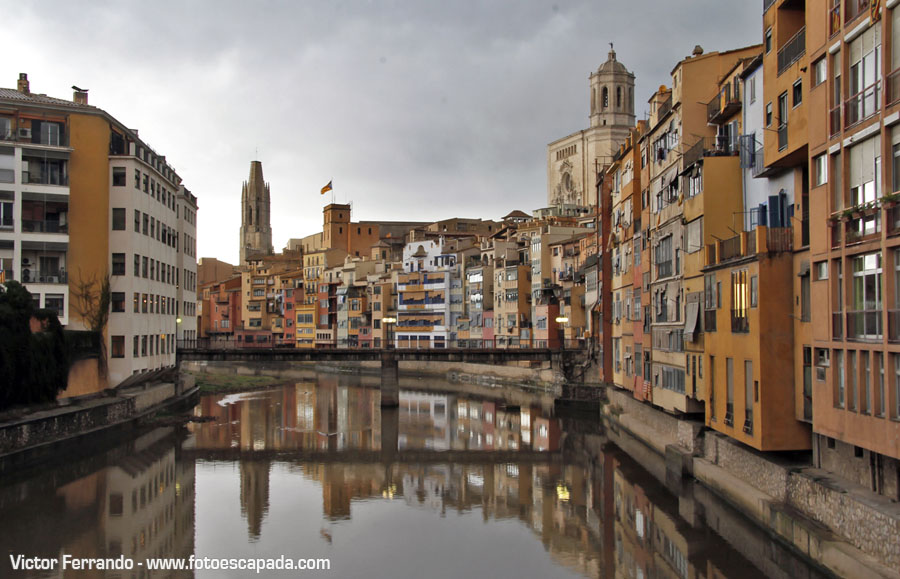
column 24, row 133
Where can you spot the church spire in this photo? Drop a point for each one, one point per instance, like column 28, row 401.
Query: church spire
column 256, row 228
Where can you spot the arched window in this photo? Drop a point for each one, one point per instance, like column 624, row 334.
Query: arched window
column 605, row 97
column 618, row 97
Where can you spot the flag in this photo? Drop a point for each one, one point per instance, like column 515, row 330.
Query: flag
column 326, row 188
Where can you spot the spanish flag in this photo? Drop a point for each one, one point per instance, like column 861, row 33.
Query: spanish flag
column 326, row 188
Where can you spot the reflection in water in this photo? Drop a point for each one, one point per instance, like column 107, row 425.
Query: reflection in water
column 446, row 485
column 135, row 500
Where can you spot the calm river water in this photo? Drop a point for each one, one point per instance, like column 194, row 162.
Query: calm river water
column 448, row 485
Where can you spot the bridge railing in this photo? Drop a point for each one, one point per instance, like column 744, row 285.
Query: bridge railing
column 230, row 344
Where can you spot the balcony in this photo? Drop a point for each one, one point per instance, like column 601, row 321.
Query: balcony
column 862, row 105
column 837, row 325
column 740, row 323
column 718, row 146
column 782, row 137
column 864, row 325
column 792, row 50
column 834, row 122
column 40, row 171
column 709, row 320
column 724, row 105
column 892, row 95
column 893, row 326
column 32, row 275
column 748, row 421
column 767, row 4
column 854, row 8
column 730, row 248
column 664, row 108
column 863, row 225
column 46, row 226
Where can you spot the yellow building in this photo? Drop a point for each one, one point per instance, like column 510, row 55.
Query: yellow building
column 750, row 396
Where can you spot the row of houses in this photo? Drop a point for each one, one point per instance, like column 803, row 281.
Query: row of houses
column 752, row 231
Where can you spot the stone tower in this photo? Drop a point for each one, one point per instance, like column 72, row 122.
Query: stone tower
column 256, row 227
column 573, row 162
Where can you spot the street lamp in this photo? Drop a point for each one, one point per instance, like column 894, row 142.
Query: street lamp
column 388, row 322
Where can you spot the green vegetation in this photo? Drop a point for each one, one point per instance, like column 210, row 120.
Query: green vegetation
column 34, row 367
column 216, row 383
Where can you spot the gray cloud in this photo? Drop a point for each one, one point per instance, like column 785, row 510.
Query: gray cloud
column 417, row 110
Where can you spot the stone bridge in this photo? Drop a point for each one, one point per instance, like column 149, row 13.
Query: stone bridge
column 565, row 360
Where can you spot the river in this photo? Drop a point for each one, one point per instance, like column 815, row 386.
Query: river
column 448, row 485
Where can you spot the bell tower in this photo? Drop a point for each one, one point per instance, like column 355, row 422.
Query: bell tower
column 256, row 228
column 612, row 94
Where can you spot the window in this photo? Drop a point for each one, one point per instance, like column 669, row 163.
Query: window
column 740, row 301
column 729, row 391
column 820, row 170
column 118, row 177
column 769, row 114
column 768, row 40
column 797, row 93
column 820, row 71
column 118, row 219
column 117, row 346
column 118, row 301
column 752, row 88
column 55, row 302
column 118, row 264
column 664, row 257
column 804, row 298
column 145, row 265
column 865, row 73
column 864, row 321
column 6, row 214
column 694, row 235
column 754, row 291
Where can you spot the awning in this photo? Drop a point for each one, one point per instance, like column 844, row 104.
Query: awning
column 804, row 268
column 692, row 313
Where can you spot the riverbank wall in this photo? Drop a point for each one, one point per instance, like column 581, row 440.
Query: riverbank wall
column 27, row 437
column 849, row 530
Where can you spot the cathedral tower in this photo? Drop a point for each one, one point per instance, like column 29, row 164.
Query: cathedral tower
column 573, row 162
column 256, row 228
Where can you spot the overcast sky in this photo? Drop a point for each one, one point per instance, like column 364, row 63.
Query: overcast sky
column 419, row 110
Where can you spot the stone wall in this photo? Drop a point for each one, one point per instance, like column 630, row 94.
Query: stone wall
column 870, row 523
column 843, row 461
column 746, row 464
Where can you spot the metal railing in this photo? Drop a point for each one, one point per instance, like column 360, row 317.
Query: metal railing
column 32, row 275
column 893, row 325
column 724, row 104
column 730, row 248
column 740, row 323
column 837, row 325
column 710, row 147
column 792, row 50
column 664, row 108
column 892, row 88
column 862, row 105
column 37, row 226
column 232, row 344
column 855, row 8
column 44, row 178
column 864, row 324
column 759, row 164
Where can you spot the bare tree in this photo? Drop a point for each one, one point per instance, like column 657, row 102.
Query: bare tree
column 91, row 299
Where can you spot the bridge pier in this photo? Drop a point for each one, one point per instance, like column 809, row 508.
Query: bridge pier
column 390, row 386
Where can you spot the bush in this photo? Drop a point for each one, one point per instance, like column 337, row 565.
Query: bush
column 34, row 367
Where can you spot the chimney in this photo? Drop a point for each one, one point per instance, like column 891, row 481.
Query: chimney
column 23, row 86
column 80, row 97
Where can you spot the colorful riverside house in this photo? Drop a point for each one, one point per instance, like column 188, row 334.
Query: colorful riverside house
column 679, row 132
column 850, row 279
column 423, row 289
column 712, row 185
column 625, row 178
column 749, row 338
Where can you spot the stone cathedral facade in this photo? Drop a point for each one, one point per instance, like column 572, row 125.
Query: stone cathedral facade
column 256, row 225
column 574, row 162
